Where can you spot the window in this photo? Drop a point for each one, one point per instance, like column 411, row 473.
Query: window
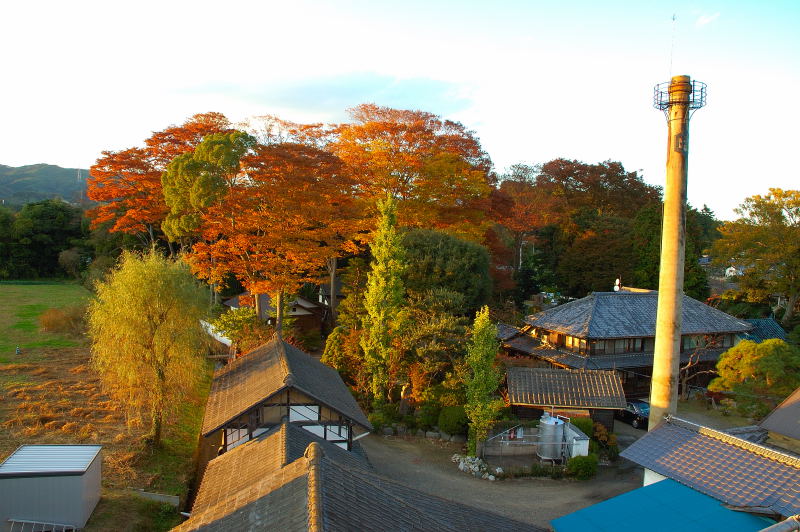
column 304, row 413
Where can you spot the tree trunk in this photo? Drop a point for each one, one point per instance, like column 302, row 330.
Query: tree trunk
column 334, row 301
column 279, row 314
column 791, row 301
column 257, row 305
column 158, row 407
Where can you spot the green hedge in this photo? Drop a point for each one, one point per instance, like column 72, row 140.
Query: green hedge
column 582, row 467
column 453, row 420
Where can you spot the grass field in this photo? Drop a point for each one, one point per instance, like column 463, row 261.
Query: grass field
column 50, row 394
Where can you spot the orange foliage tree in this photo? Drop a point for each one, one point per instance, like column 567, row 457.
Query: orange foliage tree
column 127, row 183
column 435, row 168
column 276, row 231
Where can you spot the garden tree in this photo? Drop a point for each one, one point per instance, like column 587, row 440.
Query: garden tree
column 760, row 375
column 147, row 342
column 436, row 169
column 533, row 207
column 605, row 188
column 277, row 230
column 127, row 183
column 41, row 231
column 444, row 261
column 432, row 341
column 343, row 345
column 196, row 180
column 383, row 300
column 765, row 241
column 646, row 237
column 597, row 256
column 243, row 327
column 482, row 407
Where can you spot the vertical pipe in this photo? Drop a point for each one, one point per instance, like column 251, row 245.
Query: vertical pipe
column 666, row 358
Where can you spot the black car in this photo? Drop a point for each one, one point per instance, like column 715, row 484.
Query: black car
column 636, row 413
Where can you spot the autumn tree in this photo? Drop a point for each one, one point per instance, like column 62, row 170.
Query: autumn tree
column 196, row 180
column 276, row 229
column 383, row 298
column 765, row 242
column 482, row 406
column 760, row 375
column 436, row 169
column 127, row 183
column 146, row 337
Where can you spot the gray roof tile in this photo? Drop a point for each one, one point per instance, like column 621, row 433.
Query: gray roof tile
column 245, row 464
column 565, row 388
column 320, row 493
column 764, row 329
column 730, row 469
column 630, row 315
column 532, row 346
column 785, row 419
column 267, row 370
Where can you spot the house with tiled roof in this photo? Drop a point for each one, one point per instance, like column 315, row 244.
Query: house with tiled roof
column 741, row 474
column 785, row 418
column 616, row 331
column 263, row 485
column 573, row 393
column 307, row 315
column 276, row 381
column 764, row 329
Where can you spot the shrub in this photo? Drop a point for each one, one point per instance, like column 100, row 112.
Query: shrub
column 584, row 424
column 582, row 467
column 453, row 420
column 67, row 320
column 427, row 415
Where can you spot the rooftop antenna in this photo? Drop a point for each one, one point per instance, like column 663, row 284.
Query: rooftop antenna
column 679, row 99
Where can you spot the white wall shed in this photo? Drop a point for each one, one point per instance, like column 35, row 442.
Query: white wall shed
column 53, row 484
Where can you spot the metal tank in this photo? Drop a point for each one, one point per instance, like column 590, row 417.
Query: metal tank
column 551, row 437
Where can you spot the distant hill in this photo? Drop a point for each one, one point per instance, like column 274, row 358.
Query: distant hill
column 36, row 182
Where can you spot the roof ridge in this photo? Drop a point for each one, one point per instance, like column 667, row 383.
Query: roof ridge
column 313, row 455
column 730, row 439
column 283, row 360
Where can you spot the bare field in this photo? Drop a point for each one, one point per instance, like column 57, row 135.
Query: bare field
column 50, row 394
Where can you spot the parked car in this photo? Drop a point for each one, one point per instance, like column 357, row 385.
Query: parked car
column 636, row 413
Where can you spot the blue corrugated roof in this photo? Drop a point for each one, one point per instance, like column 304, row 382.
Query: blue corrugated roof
column 663, row 506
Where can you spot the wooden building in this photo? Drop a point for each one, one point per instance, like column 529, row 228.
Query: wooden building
column 273, row 383
column 616, row 331
column 572, row 393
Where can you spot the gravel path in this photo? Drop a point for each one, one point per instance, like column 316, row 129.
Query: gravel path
column 426, row 465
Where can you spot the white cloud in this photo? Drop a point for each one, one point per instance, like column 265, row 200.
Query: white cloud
column 704, row 20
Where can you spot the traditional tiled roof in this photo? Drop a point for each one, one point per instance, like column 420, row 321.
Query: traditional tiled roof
column 630, row 315
column 316, row 492
column 730, row 469
column 298, row 306
column 532, row 346
column 506, row 332
column 245, row 464
column 269, row 369
column 764, row 329
column 785, row 419
column 565, row 388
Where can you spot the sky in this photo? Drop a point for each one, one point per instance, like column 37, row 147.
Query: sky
column 535, row 80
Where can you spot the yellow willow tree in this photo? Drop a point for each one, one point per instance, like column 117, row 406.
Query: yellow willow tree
column 147, row 344
column 277, row 229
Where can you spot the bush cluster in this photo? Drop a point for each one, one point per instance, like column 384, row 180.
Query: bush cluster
column 583, row 467
column 453, row 420
column 68, row 320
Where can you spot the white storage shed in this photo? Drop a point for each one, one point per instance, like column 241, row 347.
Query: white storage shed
column 53, row 485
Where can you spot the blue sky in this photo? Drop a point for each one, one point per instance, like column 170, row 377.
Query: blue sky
column 535, row 80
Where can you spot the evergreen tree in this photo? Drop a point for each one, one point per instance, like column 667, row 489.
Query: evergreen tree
column 482, row 406
column 383, row 299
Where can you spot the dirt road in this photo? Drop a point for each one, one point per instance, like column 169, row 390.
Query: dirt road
column 426, row 465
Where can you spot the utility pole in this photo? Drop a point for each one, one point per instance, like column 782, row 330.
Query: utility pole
column 678, row 99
